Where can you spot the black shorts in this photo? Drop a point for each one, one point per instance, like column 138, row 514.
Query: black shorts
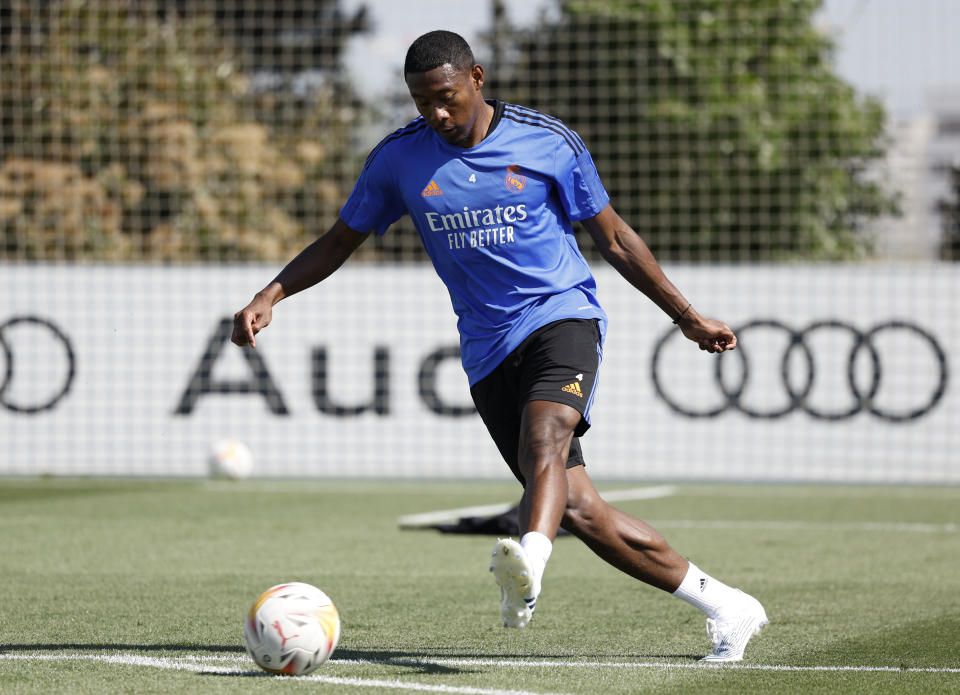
column 558, row 363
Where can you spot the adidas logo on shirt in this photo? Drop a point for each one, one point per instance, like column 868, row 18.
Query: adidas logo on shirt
column 431, row 189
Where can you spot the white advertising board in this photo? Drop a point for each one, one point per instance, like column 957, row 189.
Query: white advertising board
column 843, row 374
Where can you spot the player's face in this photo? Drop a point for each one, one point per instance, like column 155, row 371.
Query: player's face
column 450, row 102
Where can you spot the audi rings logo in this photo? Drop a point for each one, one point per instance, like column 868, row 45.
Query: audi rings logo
column 798, row 373
column 58, row 378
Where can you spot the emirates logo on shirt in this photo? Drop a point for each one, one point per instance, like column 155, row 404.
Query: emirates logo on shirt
column 515, row 181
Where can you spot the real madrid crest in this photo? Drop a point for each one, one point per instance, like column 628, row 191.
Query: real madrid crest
column 515, row 181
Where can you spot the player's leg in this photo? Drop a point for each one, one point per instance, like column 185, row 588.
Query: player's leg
column 498, row 402
column 543, row 451
column 627, row 543
column 636, row 548
column 532, row 404
column 546, row 432
column 556, row 377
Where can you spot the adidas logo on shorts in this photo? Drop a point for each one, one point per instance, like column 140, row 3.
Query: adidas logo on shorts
column 573, row 388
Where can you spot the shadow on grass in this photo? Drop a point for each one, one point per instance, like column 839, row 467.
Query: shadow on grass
column 423, row 661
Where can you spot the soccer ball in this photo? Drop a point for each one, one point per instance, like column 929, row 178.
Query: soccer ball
column 230, row 458
column 291, row 629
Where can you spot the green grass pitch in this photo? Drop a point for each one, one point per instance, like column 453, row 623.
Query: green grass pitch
column 141, row 587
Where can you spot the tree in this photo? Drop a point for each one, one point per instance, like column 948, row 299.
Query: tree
column 289, row 36
column 129, row 130
column 719, row 127
column 950, row 211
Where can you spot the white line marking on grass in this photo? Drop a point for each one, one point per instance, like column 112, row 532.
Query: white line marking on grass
column 202, row 665
column 519, row 663
column 639, row 493
column 806, row 490
column 402, row 685
column 207, row 664
column 448, row 515
column 254, row 487
column 190, row 664
column 882, row 526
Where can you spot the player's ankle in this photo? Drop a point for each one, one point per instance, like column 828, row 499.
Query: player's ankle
column 538, row 548
column 708, row 594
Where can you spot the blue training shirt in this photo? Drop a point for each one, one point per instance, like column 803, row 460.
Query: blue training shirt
column 495, row 220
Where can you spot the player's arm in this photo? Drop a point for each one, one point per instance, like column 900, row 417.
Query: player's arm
column 623, row 248
column 315, row 263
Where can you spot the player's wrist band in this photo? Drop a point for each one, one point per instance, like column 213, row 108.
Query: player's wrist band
column 682, row 313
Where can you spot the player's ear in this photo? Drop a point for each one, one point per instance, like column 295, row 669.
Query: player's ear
column 476, row 75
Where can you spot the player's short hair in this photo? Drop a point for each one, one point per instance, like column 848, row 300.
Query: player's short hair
column 438, row 48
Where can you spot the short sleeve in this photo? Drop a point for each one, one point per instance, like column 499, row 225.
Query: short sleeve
column 375, row 202
column 578, row 183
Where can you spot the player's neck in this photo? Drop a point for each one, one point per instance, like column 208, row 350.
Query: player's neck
column 480, row 127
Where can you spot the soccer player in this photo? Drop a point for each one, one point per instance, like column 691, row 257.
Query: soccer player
column 493, row 189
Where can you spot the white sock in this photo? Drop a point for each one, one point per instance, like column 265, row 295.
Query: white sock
column 538, row 548
column 706, row 593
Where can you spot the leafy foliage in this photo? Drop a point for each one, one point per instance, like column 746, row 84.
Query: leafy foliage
column 719, row 127
column 950, row 210
column 131, row 133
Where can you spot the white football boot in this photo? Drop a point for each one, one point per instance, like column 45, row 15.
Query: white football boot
column 733, row 627
column 519, row 585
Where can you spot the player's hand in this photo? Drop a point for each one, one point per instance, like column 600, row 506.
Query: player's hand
column 250, row 320
column 710, row 335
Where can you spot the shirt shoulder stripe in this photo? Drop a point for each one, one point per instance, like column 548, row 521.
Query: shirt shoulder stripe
column 530, row 120
column 550, row 119
column 410, row 129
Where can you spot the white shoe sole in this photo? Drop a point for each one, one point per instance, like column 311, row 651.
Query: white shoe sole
column 513, row 573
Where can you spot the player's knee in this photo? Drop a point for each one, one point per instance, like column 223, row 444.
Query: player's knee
column 547, row 431
column 584, row 511
column 544, row 455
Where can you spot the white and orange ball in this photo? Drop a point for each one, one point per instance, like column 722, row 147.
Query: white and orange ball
column 291, row 629
column 231, row 459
